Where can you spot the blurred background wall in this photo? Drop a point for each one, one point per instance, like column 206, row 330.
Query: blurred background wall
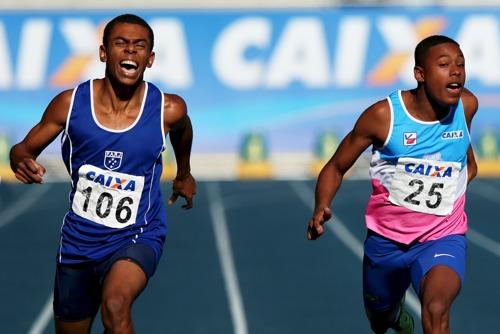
column 271, row 86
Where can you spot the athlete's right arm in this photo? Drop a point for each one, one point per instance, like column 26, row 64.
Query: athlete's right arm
column 23, row 155
column 371, row 128
column 178, row 124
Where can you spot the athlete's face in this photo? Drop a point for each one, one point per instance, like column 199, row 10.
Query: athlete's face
column 127, row 53
column 443, row 73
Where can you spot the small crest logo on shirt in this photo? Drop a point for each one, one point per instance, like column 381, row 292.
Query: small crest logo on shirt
column 112, row 159
column 410, row 138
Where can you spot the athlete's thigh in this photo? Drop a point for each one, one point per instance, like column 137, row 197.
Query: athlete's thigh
column 441, row 283
column 125, row 279
column 449, row 252
column 385, row 274
column 128, row 270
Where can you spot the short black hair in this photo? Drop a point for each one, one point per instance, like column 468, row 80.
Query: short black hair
column 127, row 18
column 424, row 45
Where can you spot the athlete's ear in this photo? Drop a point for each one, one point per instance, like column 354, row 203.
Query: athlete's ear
column 418, row 72
column 102, row 54
column 151, row 59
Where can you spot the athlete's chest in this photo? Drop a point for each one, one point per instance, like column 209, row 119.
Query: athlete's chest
column 437, row 141
column 116, row 121
column 133, row 148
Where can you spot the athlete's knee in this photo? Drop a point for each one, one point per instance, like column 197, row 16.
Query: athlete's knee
column 436, row 308
column 435, row 316
column 115, row 311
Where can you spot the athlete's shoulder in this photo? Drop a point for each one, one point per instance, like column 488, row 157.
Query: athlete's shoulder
column 470, row 104
column 174, row 104
column 374, row 122
column 175, row 110
column 469, row 100
column 58, row 108
column 64, row 97
column 378, row 111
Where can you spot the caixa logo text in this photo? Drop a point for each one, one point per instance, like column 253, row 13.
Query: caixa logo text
column 452, row 135
column 429, row 170
column 111, row 182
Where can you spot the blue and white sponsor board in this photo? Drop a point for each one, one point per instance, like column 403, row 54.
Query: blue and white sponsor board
column 288, row 74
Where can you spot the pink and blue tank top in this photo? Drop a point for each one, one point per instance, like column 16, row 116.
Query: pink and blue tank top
column 419, row 176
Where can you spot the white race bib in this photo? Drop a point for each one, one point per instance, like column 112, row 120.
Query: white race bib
column 106, row 197
column 426, row 186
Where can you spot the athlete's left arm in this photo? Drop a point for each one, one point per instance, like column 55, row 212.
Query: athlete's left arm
column 178, row 124
column 470, row 104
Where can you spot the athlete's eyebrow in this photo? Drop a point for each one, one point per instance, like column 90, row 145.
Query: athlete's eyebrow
column 137, row 40
column 447, row 55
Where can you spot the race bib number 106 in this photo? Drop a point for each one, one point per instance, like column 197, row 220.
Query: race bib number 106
column 106, row 197
column 425, row 186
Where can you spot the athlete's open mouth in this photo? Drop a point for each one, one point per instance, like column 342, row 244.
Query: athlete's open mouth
column 129, row 65
column 454, row 87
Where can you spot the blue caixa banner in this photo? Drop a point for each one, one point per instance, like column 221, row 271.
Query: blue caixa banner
column 288, row 74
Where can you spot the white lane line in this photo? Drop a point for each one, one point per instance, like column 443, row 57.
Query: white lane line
column 348, row 239
column 43, row 318
column 484, row 242
column 26, row 200
column 227, row 262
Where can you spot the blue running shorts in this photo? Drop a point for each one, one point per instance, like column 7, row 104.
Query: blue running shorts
column 78, row 288
column 389, row 267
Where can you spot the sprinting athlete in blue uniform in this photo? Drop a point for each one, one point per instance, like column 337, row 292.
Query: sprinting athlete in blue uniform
column 113, row 133
column 115, row 198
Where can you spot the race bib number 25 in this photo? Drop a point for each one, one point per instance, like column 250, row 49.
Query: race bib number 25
column 106, row 197
column 425, row 186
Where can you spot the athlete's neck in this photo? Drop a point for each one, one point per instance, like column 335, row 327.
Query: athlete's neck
column 118, row 97
column 424, row 107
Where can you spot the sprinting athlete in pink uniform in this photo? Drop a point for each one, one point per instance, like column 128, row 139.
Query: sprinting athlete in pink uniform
column 421, row 164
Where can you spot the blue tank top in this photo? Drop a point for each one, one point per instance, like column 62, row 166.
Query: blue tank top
column 115, row 197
